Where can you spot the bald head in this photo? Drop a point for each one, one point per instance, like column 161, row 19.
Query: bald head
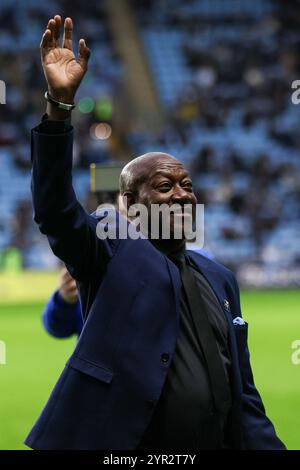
column 136, row 172
column 157, row 180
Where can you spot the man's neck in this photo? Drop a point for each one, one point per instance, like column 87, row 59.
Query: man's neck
column 169, row 247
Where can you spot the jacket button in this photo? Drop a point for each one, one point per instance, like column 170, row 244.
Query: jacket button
column 165, row 357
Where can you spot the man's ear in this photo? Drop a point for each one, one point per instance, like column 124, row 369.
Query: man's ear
column 129, row 199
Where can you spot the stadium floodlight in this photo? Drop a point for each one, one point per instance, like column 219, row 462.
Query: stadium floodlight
column 105, row 177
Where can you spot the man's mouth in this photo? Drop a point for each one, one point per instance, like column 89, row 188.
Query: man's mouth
column 186, row 212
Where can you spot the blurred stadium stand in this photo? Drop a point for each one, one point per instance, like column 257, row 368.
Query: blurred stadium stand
column 221, row 75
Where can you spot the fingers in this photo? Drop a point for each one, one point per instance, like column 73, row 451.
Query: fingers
column 83, row 54
column 56, row 30
column 48, row 39
column 51, row 36
column 45, row 42
column 54, row 27
column 51, row 27
column 68, row 32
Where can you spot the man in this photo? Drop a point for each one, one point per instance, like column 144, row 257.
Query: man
column 162, row 361
column 62, row 316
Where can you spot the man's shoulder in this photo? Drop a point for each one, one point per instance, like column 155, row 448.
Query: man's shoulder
column 104, row 210
column 107, row 214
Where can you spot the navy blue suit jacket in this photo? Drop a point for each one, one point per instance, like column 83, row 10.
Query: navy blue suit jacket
column 129, row 293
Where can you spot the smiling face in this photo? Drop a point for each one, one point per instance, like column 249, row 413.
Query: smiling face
column 158, row 178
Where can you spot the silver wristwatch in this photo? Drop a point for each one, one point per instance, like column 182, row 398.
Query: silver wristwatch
column 59, row 104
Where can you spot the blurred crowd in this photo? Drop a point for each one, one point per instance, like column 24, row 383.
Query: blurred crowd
column 223, row 71
column 22, row 24
column 231, row 118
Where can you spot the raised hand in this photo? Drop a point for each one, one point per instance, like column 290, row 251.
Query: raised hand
column 62, row 70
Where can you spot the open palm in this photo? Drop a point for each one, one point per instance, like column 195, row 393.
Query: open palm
column 62, row 70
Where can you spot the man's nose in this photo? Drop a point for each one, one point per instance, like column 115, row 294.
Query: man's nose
column 180, row 196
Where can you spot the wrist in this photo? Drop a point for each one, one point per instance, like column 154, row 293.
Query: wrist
column 59, row 105
column 62, row 96
column 56, row 114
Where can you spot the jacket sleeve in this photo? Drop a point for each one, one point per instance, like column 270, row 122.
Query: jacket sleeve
column 258, row 431
column 61, row 319
column 70, row 230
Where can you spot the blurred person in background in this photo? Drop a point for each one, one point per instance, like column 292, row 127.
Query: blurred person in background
column 62, row 316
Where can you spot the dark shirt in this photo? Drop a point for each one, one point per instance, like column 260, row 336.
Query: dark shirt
column 184, row 417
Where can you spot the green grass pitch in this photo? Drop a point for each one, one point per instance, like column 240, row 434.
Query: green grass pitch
column 34, row 361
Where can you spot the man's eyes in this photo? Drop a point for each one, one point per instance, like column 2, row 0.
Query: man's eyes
column 167, row 186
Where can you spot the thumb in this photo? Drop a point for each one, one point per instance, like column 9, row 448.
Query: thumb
column 83, row 54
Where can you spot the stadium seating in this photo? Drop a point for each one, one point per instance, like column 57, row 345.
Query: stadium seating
column 223, row 74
